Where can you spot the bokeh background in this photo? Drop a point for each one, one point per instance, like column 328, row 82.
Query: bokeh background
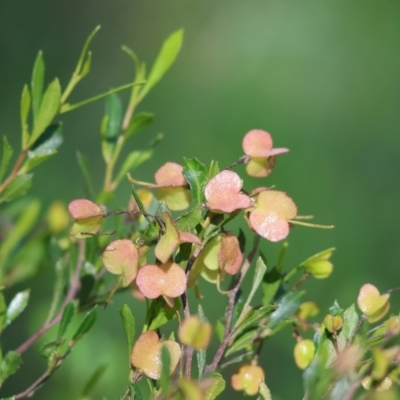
column 321, row 76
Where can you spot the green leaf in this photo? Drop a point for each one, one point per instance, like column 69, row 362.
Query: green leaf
column 219, row 330
column 272, row 281
column 201, row 361
column 47, row 349
column 138, row 123
column 141, row 207
column 188, row 221
column 128, row 323
column 133, row 161
column 16, row 306
column 17, row 188
column 216, row 388
column 26, row 263
column 3, row 311
column 112, row 120
column 48, row 110
column 8, row 398
column 350, row 322
column 161, row 313
column 136, row 394
column 24, row 113
column 165, row 370
column 213, row 170
column 287, row 307
column 86, row 66
column 243, row 341
column 6, row 153
column 253, row 318
column 23, row 225
column 37, row 85
column 86, row 324
column 96, row 376
column 66, row 319
column 259, row 273
column 166, row 57
column 80, row 67
column 196, row 175
column 9, row 365
column 45, row 147
column 69, row 107
column 83, row 163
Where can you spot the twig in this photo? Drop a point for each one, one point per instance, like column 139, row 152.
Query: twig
column 229, row 309
column 241, row 160
column 73, row 290
column 35, row 385
column 14, row 172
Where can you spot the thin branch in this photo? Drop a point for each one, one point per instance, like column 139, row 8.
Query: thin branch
column 230, row 307
column 73, row 290
column 14, row 172
column 35, row 385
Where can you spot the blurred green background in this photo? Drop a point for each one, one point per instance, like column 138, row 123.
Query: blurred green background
column 322, row 76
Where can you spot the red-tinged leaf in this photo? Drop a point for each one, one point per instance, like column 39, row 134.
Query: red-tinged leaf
column 121, row 257
column 83, row 208
column 170, row 174
column 146, row 354
column 223, row 193
column 167, row 279
column 373, row 304
column 230, row 258
column 271, row 214
column 257, row 144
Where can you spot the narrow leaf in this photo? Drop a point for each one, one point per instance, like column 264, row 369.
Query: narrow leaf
column 128, row 323
column 201, row 361
column 243, row 341
column 217, row 387
column 24, row 113
column 48, row 110
column 23, row 225
column 86, row 324
column 113, row 118
column 196, row 175
column 37, row 85
column 287, row 307
column 94, row 379
column 3, row 311
column 165, row 370
column 253, row 319
column 83, row 163
column 271, row 283
column 16, row 306
column 161, row 313
column 86, row 66
column 259, row 273
column 6, row 153
column 166, row 57
column 66, row 319
column 133, row 161
column 84, row 51
column 49, row 142
column 138, row 123
column 9, row 365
